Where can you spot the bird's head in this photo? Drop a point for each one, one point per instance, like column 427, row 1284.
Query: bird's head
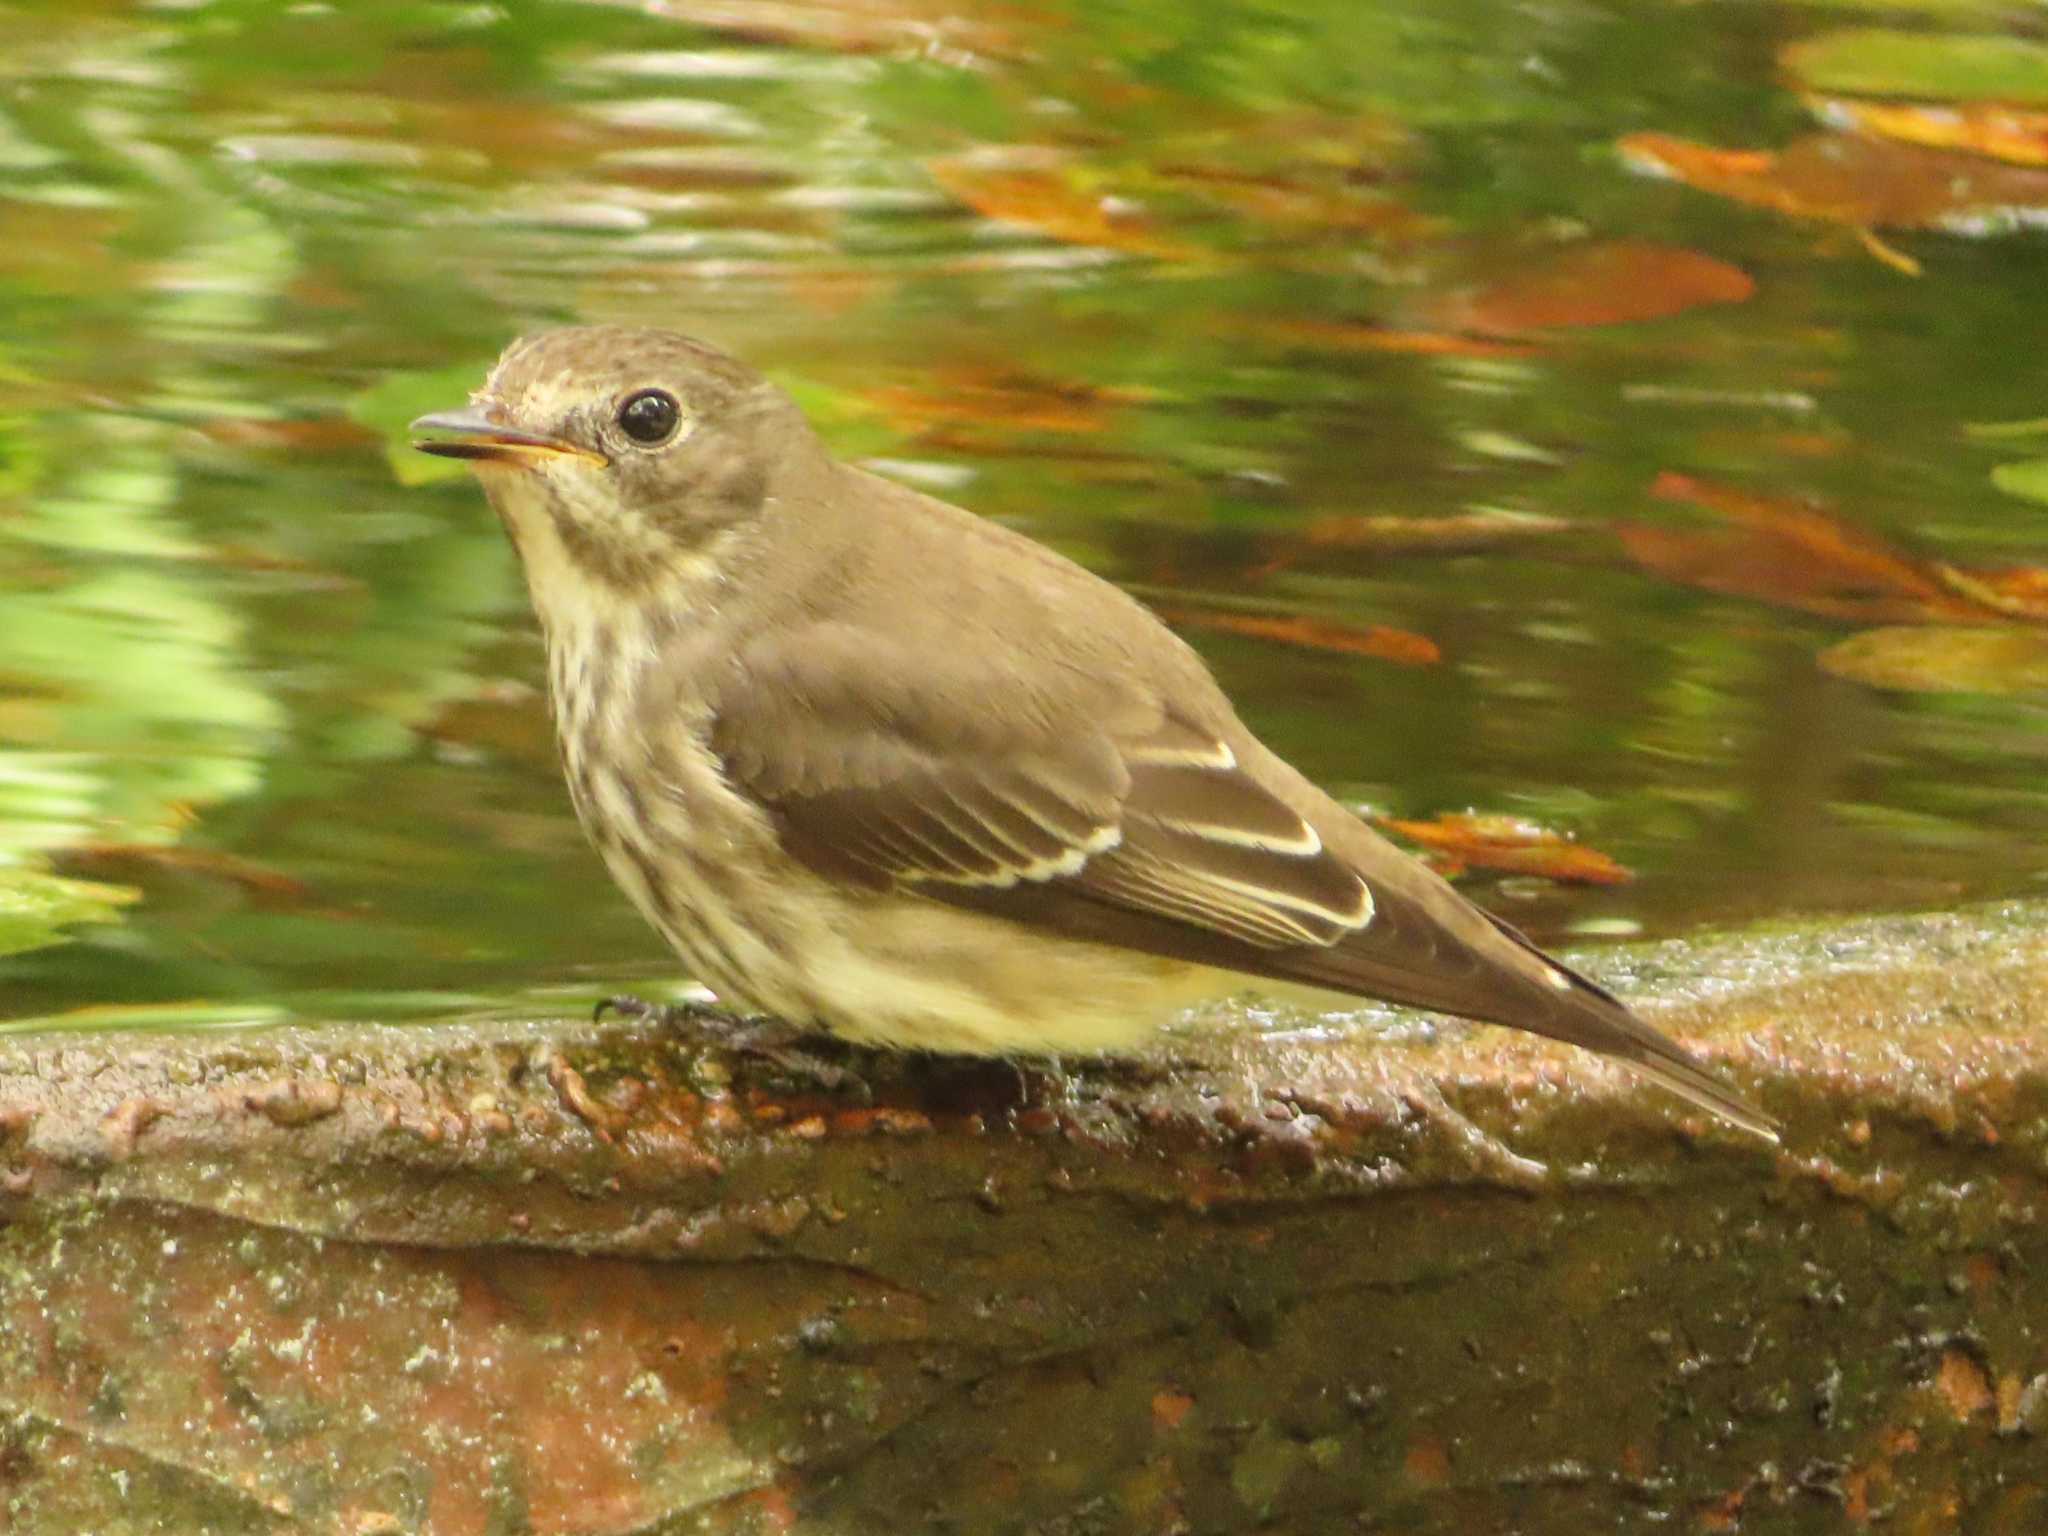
column 624, row 452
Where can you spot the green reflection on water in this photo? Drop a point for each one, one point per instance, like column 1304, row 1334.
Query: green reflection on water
column 243, row 243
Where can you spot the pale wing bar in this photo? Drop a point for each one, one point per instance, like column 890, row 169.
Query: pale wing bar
column 1205, row 843
column 1159, row 818
column 1198, row 841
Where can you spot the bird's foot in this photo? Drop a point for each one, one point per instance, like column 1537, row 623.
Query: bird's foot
column 708, row 1018
column 772, row 1040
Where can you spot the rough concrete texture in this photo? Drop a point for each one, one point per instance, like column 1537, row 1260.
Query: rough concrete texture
column 1366, row 1275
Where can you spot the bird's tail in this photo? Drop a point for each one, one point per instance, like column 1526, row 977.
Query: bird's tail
column 1589, row 1015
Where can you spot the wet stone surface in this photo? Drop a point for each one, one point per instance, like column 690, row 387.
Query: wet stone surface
column 559, row 1277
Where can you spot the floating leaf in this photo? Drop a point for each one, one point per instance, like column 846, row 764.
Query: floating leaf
column 1881, row 61
column 35, row 907
column 2027, row 479
column 1844, row 179
column 1463, row 533
column 1803, row 556
column 1997, row 431
column 1509, row 844
column 1794, row 554
column 1004, row 399
column 1605, row 283
column 1306, row 208
column 2003, row 133
column 1054, row 197
column 1364, row 336
column 1293, row 185
column 295, row 435
column 269, row 885
column 1377, row 640
column 2019, row 592
column 1943, row 660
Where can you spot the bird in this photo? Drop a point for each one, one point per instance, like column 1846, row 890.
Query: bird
column 878, row 767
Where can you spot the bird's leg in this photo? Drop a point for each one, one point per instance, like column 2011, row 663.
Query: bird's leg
column 708, row 1017
column 773, row 1040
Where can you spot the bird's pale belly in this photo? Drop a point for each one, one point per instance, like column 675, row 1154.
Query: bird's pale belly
column 703, row 866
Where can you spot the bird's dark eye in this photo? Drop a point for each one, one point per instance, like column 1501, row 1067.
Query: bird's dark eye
column 650, row 416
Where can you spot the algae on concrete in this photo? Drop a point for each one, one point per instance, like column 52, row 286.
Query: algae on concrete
column 1283, row 1274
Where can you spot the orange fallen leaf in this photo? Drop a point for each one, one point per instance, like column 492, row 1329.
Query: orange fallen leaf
column 1457, row 533
column 1964, row 1385
column 2012, row 1396
column 1603, row 283
column 1427, row 1462
column 1283, row 179
column 991, row 398
column 1170, row 1408
column 1848, row 549
column 63, row 248
column 1364, row 336
column 1378, row 640
column 1052, row 198
column 1980, row 128
column 1935, row 658
column 2019, row 592
column 1793, row 554
column 1509, row 844
column 1725, row 1513
column 1295, row 207
column 1115, row 463
column 1846, row 179
column 1810, row 445
column 252, row 877
column 304, row 434
column 832, row 291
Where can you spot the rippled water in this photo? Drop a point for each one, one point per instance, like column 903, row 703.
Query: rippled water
column 1207, row 298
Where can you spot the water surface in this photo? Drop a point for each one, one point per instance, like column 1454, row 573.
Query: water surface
column 1219, row 301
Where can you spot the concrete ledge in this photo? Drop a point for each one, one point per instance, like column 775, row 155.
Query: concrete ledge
column 1377, row 1275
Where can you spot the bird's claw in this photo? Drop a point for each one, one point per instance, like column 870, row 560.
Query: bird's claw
column 668, row 1015
column 771, row 1040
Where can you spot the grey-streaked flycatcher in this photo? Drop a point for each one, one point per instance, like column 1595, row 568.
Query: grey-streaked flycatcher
column 875, row 765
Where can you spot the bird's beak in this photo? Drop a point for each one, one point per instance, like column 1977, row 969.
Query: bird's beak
column 473, row 435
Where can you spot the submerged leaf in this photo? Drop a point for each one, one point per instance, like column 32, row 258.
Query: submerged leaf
column 2019, row 591
column 269, row 885
column 1796, row 555
column 1995, row 431
column 1364, row 336
column 2002, row 133
column 1378, row 640
column 1053, row 198
column 1943, row 660
column 1881, row 61
column 35, row 908
column 1863, row 183
column 1509, row 844
column 284, row 434
column 1000, row 399
column 1461, row 533
column 1605, row 283
column 2027, row 479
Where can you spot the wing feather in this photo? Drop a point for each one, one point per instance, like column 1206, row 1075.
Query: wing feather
column 1142, row 883
column 1072, row 799
column 1094, row 811
column 1101, row 790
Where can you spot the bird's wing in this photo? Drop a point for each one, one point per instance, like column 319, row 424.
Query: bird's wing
column 984, row 791
column 1092, row 809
